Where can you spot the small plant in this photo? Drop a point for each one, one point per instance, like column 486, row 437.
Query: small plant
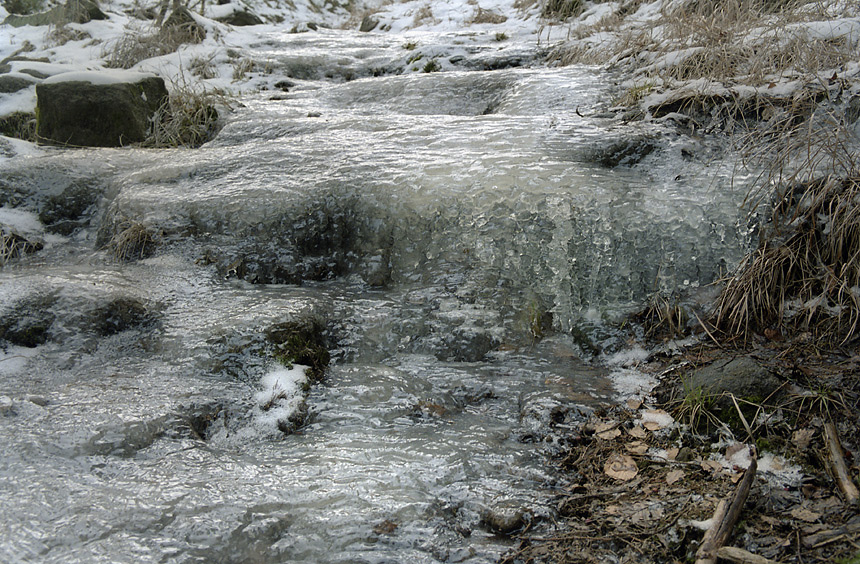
column 414, row 58
column 635, row 94
column 432, row 66
column 694, row 407
column 410, row 45
column 241, row 68
column 132, row 241
column 190, row 117
column 482, row 16
column 561, row 9
column 423, row 15
column 203, row 67
column 500, row 36
column 62, row 34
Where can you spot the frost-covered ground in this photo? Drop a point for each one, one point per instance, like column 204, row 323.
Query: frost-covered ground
column 229, row 57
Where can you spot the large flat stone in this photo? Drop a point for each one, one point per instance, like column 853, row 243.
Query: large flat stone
column 95, row 109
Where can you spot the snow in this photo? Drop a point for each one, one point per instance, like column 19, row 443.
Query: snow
column 20, row 221
column 100, row 77
column 281, row 396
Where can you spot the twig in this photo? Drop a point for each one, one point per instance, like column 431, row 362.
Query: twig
column 837, row 461
column 726, row 516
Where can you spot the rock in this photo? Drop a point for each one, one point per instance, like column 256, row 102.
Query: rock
column 95, row 109
column 180, row 21
column 467, row 345
column 75, row 11
column 241, row 18
column 29, row 323
column 505, row 518
column 368, row 23
column 742, row 376
column 853, row 110
column 120, row 314
column 83, row 11
column 13, row 83
column 622, row 152
column 66, row 212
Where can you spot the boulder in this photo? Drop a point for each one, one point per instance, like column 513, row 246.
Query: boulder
column 240, row 18
column 368, row 23
column 181, row 22
column 98, row 109
column 742, row 377
column 74, row 11
column 13, row 83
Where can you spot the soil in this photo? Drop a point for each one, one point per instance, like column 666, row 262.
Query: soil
column 643, row 486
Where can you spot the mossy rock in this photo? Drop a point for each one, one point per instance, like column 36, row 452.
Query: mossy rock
column 89, row 113
column 121, row 314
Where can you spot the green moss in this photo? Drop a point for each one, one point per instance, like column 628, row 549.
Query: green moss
column 19, row 125
column 850, row 560
column 301, row 342
column 432, row 66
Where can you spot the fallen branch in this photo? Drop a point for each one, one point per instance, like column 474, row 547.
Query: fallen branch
column 837, row 461
column 741, row 556
column 825, row 537
column 726, row 516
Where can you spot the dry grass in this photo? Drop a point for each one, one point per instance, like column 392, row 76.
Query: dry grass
column 804, row 279
column 748, row 42
column 482, row 16
column 132, row 241
column 14, row 246
column 190, row 117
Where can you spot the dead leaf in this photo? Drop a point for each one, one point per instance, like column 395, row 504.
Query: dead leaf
column 802, row 437
column 674, row 476
column 621, row 467
column 672, row 453
column 734, row 449
column 637, row 447
column 736, row 477
column 711, row 466
column 613, row 509
column 634, row 404
column 646, row 512
column 637, row 432
column 658, row 417
column 803, row 514
column 609, row 434
column 385, row 527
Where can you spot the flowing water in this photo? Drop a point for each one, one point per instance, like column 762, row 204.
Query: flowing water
column 461, row 236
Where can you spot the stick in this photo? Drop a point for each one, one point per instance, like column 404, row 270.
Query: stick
column 726, row 516
column 741, row 556
column 840, row 470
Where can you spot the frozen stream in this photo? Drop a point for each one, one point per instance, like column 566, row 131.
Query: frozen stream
column 436, row 226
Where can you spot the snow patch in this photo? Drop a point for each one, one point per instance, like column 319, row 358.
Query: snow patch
column 100, row 77
column 280, row 398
